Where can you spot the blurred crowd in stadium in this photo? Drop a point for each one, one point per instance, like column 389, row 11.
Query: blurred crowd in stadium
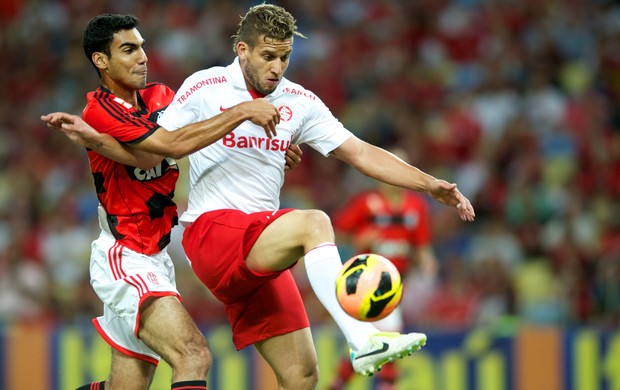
column 517, row 101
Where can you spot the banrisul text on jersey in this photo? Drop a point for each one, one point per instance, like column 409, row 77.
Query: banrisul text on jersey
column 242, row 142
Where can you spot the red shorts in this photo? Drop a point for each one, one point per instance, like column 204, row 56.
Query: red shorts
column 258, row 306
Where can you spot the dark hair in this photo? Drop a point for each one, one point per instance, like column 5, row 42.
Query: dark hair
column 99, row 33
column 269, row 20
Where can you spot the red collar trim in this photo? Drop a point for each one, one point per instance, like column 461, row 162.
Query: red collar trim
column 256, row 94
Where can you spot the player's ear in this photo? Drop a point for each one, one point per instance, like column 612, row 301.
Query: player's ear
column 242, row 49
column 100, row 60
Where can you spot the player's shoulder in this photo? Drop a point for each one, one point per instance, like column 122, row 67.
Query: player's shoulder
column 204, row 80
column 157, row 86
column 94, row 110
column 157, row 91
column 96, row 101
column 97, row 95
column 210, row 76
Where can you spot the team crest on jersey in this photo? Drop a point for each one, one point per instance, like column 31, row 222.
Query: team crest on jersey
column 285, row 113
column 152, row 278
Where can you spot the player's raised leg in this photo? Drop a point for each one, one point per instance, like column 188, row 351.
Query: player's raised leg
column 309, row 233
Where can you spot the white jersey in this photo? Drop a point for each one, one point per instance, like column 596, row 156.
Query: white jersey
column 245, row 169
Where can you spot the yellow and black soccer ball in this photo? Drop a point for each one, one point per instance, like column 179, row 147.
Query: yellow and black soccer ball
column 369, row 287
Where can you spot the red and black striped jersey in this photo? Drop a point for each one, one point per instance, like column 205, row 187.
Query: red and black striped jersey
column 396, row 229
column 140, row 212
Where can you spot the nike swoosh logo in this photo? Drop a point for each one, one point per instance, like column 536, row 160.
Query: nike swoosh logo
column 222, row 109
column 376, row 351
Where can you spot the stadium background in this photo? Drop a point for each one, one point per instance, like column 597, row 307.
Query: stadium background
column 514, row 100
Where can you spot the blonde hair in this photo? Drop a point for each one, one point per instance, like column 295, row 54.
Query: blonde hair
column 270, row 20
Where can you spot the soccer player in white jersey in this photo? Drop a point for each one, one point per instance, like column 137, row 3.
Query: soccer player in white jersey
column 240, row 244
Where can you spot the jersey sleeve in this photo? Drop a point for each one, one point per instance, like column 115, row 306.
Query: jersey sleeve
column 321, row 130
column 185, row 107
column 108, row 114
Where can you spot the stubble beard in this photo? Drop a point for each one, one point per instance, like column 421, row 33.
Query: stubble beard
column 252, row 80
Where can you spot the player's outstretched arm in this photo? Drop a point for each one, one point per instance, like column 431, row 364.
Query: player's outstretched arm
column 178, row 143
column 81, row 133
column 384, row 166
column 195, row 136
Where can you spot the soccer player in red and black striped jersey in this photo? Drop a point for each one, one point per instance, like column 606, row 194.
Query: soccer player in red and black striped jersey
column 139, row 213
column 131, row 272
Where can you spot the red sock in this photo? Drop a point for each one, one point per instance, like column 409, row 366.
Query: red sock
column 93, row 386
column 190, row 385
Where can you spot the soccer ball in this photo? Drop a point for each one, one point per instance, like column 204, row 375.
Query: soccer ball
column 368, row 287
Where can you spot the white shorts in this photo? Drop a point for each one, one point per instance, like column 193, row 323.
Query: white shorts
column 123, row 279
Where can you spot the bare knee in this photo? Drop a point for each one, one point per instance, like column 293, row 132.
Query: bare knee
column 195, row 357
column 168, row 329
column 299, row 377
column 318, row 227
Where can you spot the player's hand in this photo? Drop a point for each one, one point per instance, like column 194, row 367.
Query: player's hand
column 72, row 126
column 263, row 114
column 448, row 194
column 292, row 157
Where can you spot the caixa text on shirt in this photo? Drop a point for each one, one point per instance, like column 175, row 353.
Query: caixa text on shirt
column 149, row 174
column 264, row 143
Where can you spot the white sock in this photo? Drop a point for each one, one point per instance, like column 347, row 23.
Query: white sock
column 322, row 266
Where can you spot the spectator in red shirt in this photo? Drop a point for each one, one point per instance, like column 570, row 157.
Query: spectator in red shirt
column 393, row 222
